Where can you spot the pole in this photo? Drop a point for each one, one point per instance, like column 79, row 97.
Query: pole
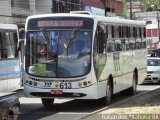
column 158, row 47
column 158, row 25
column 131, row 9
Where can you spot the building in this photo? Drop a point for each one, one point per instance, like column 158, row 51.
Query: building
column 113, row 7
column 94, row 6
column 65, row 6
column 16, row 11
column 134, row 7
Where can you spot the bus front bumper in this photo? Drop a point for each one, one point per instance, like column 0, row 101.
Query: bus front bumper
column 90, row 92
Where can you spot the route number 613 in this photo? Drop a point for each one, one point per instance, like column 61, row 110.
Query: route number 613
column 65, row 85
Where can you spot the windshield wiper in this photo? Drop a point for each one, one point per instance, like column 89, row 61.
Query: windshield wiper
column 72, row 36
column 45, row 35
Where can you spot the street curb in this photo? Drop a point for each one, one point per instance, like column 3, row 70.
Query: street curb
column 118, row 103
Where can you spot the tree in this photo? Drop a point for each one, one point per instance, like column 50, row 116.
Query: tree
column 125, row 10
column 150, row 5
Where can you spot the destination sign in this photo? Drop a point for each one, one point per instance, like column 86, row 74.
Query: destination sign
column 60, row 23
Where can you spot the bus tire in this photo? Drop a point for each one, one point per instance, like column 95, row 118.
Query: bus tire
column 47, row 102
column 109, row 93
column 133, row 89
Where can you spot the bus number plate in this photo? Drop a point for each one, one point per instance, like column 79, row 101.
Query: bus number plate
column 56, row 92
column 65, row 85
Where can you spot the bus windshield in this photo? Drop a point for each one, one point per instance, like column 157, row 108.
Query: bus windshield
column 58, row 53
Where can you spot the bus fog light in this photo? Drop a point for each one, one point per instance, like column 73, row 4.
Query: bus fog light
column 85, row 83
column 35, row 83
column 80, row 84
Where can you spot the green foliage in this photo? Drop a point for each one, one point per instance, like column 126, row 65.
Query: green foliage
column 125, row 10
column 150, row 5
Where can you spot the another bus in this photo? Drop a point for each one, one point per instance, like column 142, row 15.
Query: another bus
column 9, row 58
column 56, row 65
column 152, row 37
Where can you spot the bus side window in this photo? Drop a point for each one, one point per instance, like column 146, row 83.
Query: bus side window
column 127, row 44
column 120, row 31
column 144, row 32
column 118, row 45
column 124, row 31
column 132, row 44
column 128, row 32
column 101, row 39
column 135, row 32
column 131, row 32
column 109, row 30
column 123, row 44
column 143, row 37
column 113, row 31
column 106, row 31
column 4, row 46
column 110, row 47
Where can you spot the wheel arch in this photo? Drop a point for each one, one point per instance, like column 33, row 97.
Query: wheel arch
column 110, row 79
column 135, row 73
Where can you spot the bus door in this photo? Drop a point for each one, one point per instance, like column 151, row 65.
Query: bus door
column 99, row 52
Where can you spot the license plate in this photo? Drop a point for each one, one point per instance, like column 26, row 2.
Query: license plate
column 56, row 92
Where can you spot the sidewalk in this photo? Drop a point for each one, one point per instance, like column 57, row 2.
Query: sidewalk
column 146, row 106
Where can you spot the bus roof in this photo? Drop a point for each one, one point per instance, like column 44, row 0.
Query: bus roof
column 151, row 26
column 8, row 26
column 110, row 20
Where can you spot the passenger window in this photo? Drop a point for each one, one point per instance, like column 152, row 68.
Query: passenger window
column 118, row 45
column 110, row 47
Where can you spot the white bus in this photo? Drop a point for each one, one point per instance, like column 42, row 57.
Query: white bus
column 9, row 58
column 82, row 56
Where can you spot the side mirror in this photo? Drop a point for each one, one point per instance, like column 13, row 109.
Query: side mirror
column 21, row 33
column 21, row 38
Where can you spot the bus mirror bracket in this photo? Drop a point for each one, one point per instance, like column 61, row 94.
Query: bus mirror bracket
column 20, row 44
column 21, row 38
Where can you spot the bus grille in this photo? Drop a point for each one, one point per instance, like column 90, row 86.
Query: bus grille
column 47, row 94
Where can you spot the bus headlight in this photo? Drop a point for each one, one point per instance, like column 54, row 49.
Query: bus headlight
column 89, row 82
column 85, row 83
column 80, row 84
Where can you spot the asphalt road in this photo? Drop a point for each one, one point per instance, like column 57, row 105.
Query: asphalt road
column 64, row 109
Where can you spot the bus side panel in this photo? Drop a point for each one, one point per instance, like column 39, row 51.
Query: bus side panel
column 140, row 62
column 9, row 75
column 113, row 67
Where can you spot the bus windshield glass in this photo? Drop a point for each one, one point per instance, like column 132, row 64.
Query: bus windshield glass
column 58, row 53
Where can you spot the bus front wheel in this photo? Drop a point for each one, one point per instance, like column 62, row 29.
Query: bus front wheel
column 47, row 102
column 109, row 93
